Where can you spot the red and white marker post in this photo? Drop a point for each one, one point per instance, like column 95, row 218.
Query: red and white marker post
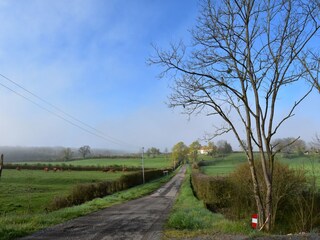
column 254, row 222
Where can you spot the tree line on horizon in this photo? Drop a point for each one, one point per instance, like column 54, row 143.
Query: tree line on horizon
column 24, row 154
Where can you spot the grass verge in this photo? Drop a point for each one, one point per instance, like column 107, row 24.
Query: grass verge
column 190, row 218
column 13, row 226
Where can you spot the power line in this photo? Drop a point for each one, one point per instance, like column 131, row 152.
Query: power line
column 57, row 115
column 97, row 132
column 50, row 104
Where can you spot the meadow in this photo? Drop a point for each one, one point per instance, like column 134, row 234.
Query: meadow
column 223, row 165
column 30, row 191
column 149, row 162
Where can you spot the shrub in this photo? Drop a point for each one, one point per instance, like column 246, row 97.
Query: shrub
column 195, row 165
column 59, row 202
column 82, row 193
column 291, row 196
column 135, row 179
column 214, row 191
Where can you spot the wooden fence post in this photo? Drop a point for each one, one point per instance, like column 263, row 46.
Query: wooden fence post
column 1, row 164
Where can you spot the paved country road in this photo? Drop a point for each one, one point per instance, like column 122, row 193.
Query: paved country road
column 142, row 218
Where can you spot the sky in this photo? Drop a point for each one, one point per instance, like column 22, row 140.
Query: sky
column 88, row 58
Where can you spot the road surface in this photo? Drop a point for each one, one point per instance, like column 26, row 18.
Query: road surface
column 142, row 218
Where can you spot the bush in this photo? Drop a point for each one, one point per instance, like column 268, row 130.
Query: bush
column 295, row 202
column 135, row 179
column 214, row 191
column 59, row 202
column 63, row 166
column 82, row 193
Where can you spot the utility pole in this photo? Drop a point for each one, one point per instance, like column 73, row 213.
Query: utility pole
column 142, row 162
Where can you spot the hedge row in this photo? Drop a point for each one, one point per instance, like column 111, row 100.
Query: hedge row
column 67, row 167
column 82, row 193
column 214, row 191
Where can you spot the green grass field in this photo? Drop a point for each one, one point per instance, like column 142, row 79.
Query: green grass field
column 14, row 225
column 222, row 165
column 149, row 162
column 227, row 164
column 32, row 190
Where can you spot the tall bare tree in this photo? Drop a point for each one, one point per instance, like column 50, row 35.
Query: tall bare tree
column 245, row 54
column 316, row 143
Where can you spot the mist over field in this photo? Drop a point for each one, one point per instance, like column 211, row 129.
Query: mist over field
column 26, row 154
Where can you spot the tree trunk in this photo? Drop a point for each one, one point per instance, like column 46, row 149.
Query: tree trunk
column 268, row 212
column 257, row 192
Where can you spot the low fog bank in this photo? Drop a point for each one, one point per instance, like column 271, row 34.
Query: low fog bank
column 27, row 154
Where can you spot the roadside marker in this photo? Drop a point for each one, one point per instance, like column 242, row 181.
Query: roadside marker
column 254, row 222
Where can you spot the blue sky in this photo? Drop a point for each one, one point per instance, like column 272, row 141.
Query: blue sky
column 88, row 57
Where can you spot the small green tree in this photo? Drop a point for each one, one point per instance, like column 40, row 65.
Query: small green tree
column 193, row 151
column 179, row 153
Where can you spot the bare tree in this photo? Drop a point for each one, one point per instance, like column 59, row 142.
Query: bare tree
column 289, row 146
column 245, row 53
column 316, row 143
column 67, row 154
column 224, row 147
column 85, row 150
